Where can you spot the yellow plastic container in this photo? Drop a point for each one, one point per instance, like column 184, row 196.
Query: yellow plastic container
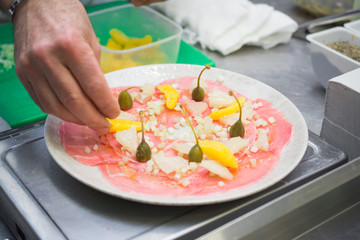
column 160, row 37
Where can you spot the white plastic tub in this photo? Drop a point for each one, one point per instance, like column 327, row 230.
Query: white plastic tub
column 327, row 62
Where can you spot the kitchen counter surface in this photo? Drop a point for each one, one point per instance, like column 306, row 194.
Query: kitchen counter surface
column 286, row 67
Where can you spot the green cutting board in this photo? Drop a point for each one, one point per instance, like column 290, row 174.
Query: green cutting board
column 16, row 106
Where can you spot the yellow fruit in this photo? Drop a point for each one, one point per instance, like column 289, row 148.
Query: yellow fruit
column 119, row 36
column 219, row 152
column 122, row 124
column 233, row 108
column 171, row 95
column 113, row 45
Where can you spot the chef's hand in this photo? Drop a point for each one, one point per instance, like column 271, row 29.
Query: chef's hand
column 57, row 60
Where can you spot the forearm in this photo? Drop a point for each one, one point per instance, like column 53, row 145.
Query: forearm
column 5, row 5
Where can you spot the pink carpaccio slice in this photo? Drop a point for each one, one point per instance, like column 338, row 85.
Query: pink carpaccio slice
column 130, row 175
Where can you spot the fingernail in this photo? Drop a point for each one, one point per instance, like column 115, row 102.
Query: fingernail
column 103, row 130
column 114, row 115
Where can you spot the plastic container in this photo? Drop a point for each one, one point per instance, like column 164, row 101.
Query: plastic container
column 321, row 8
column 327, row 62
column 136, row 22
column 353, row 26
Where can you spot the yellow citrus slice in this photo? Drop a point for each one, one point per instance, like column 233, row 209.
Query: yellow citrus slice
column 233, row 108
column 219, row 152
column 122, row 124
column 171, row 95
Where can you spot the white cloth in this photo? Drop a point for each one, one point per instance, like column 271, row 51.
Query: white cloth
column 226, row 26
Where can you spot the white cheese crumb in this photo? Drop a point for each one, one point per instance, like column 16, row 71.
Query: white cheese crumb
column 161, row 145
column 193, row 165
column 221, row 184
column 261, row 122
column 154, row 150
column 271, row 120
column 96, row 147
column 254, row 149
column 185, row 182
column 253, row 163
column 87, row 150
column 156, row 171
column 171, row 130
column 177, row 176
column 203, row 136
column 148, row 169
column 182, row 121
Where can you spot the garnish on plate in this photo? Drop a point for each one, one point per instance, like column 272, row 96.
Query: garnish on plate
column 198, row 93
column 143, row 151
column 125, row 100
column 171, row 95
column 195, row 154
column 237, row 129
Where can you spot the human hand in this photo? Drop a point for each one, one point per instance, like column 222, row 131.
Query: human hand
column 57, row 59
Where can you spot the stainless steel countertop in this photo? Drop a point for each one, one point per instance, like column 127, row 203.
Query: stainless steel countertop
column 286, row 67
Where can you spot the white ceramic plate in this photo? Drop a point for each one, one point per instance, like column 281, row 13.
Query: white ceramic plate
column 290, row 157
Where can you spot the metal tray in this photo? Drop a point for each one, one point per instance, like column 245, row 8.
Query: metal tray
column 38, row 200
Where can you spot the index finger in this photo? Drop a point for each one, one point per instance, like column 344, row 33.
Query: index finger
column 86, row 70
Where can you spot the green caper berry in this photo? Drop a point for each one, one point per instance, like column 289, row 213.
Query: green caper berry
column 125, row 100
column 143, row 152
column 237, row 130
column 195, row 154
column 198, row 94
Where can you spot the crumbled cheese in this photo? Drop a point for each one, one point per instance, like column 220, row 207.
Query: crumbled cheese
column 177, row 176
column 96, row 147
column 151, row 144
column 260, row 122
column 161, row 145
column 254, row 149
column 182, row 121
column 203, row 136
column 271, row 120
column 156, row 171
column 148, row 169
column 87, row 150
column 185, row 182
column 171, row 130
column 193, row 165
column 154, row 150
column 217, row 128
column 221, row 184
column 253, row 163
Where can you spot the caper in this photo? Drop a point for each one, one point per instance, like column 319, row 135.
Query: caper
column 237, row 129
column 125, row 100
column 198, row 93
column 143, row 151
column 195, row 154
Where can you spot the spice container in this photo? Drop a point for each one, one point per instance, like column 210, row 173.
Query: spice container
column 328, row 62
column 353, row 26
column 136, row 22
column 321, row 8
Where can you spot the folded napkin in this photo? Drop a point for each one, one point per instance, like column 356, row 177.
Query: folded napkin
column 226, row 26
